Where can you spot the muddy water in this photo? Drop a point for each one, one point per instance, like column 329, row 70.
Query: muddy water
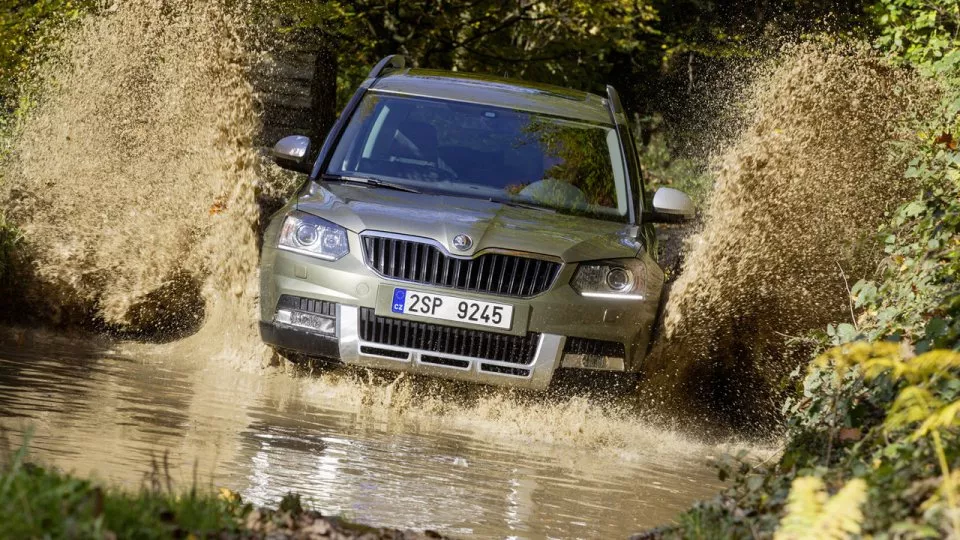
column 96, row 410
column 790, row 225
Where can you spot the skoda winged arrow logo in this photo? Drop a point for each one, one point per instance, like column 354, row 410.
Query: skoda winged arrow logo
column 462, row 242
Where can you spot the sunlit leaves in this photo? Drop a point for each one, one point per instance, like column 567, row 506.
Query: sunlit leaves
column 811, row 514
column 22, row 26
column 917, row 405
column 927, row 404
column 914, row 404
column 919, row 31
column 858, row 354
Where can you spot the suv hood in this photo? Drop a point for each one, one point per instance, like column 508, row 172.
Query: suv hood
column 361, row 208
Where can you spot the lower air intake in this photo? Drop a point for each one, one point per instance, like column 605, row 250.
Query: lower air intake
column 448, row 340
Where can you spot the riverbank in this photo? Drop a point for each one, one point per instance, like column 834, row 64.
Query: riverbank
column 36, row 502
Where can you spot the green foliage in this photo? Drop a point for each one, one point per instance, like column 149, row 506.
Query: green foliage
column 39, row 503
column 919, row 32
column 568, row 42
column 662, row 167
column 867, row 414
column 24, row 30
column 918, row 296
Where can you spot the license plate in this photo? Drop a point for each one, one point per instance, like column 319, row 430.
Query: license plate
column 452, row 308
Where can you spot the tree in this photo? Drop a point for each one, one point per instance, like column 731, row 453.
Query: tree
column 565, row 42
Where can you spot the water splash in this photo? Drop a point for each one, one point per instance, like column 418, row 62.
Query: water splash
column 134, row 176
column 790, row 224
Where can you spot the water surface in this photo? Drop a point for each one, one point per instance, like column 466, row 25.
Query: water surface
column 467, row 472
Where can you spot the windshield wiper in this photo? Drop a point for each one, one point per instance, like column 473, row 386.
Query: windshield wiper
column 528, row 206
column 375, row 182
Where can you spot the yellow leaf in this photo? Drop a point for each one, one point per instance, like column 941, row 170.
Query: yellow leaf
column 842, row 516
column 804, row 504
column 811, row 515
column 946, row 417
column 229, row 495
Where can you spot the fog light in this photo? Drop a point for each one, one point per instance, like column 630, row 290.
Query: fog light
column 585, row 353
column 592, row 361
column 310, row 321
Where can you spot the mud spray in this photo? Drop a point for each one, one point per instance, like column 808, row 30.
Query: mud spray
column 789, row 226
column 134, row 176
column 135, row 182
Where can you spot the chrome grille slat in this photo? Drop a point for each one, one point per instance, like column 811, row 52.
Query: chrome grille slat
column 435, row 265
column 383, row 255
column 493, row 273
column 424, row 264
column 506, row 263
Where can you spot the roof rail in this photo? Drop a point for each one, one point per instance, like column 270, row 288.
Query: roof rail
column 395, row 61
column 613, row 101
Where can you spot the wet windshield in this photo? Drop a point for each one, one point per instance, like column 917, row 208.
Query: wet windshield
column 485, row 152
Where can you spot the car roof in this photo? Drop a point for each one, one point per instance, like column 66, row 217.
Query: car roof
column 498, row 92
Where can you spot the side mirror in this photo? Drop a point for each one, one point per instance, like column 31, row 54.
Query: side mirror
column 671, row 206
column 292, row 152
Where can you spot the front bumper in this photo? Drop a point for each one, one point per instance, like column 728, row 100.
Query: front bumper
column 358, row 294
column 348, row 347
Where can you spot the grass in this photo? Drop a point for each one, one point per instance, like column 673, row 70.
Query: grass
column 38, row 502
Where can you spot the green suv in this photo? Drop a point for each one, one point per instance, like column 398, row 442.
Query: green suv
column 467, row 227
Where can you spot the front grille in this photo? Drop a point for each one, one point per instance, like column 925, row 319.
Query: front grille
column 494, row 273
column 594, row 347
column 447, row 340
column 320, row 307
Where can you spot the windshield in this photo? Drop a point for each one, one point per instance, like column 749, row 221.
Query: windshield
column 485, row 152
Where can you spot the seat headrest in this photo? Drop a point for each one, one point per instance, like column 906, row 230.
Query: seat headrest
column 416, row 140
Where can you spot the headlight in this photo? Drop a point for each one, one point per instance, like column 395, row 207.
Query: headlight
column 310, row 235
column 618, row 279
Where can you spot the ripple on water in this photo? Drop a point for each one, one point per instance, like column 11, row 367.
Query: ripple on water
column 409, row 455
